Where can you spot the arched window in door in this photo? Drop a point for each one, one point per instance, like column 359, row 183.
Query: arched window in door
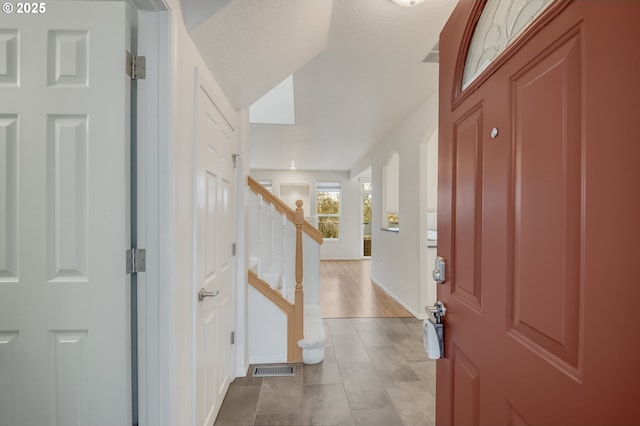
column 501, row 22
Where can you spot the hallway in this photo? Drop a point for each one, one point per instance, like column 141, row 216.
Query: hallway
column 374, row 373
column 346, row 291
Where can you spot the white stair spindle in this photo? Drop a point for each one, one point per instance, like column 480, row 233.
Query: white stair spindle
column 273, row 246
column 260, row 204
column 284, row 256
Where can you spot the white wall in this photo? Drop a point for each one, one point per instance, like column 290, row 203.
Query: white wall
column 184, row 60
column 390, row 187
column 349, row 245
column 290, row 193
column 428, row 208
column 396, row 257
column 267, row 336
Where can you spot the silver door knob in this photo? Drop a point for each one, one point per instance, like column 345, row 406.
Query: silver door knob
column 203, row 293
column 438, row 310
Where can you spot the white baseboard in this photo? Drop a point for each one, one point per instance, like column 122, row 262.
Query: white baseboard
column 268, row 360
column 394, row 297
column 243, row 372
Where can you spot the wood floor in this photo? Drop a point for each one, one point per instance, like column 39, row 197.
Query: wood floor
column 346, row 291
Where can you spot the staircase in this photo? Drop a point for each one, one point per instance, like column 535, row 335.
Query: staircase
column 285, row 324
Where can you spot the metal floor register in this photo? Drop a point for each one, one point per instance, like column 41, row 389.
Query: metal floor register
column 274, row 371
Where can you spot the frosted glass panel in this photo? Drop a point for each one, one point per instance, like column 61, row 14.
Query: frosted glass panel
column 501, row 22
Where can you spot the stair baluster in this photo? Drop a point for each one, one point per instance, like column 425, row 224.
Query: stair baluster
column 298, row 313
column 272, row 258
column 284, row 256
column 260, row 206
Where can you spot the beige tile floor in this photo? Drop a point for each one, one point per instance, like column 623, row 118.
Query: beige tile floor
column 374, row 373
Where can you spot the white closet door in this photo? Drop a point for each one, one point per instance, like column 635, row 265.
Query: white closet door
column 64, row 216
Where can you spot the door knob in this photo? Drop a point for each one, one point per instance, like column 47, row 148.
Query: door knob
column 438, row 311
column 203, row 293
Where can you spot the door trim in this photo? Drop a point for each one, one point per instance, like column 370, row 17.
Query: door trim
column 153, row 216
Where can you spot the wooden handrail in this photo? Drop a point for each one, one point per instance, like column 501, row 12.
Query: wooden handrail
column 284, row 209
column 270, row 293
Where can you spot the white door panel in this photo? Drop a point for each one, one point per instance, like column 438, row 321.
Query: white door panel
column 215, row 144
column 64, row 216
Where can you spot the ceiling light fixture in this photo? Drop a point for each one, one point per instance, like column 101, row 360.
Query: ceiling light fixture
column 407, row 3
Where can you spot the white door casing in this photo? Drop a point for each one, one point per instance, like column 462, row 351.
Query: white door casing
column 64, row 216
column 215, row 141
column 153, row 180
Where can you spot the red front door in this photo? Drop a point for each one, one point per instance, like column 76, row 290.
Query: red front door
column 540, row 224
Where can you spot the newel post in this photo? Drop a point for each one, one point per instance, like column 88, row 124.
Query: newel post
column 299, row 294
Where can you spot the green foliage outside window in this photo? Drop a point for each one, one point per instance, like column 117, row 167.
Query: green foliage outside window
column 393, row 220
column 328, row 209
column 366, row 208
column 328, row 226
column 328, row 202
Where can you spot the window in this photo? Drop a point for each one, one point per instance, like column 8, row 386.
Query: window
column 366, row 190
column 391, row 193
column 328, row 200
column 393, row 221
column 501, row 22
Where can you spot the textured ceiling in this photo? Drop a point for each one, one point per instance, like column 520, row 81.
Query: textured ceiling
column 252, row 45
column 357, row 67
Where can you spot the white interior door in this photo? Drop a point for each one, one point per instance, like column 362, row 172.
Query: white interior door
column 214, row 233
column 64, row 216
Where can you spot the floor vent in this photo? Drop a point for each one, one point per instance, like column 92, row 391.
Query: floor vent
column 274, row 371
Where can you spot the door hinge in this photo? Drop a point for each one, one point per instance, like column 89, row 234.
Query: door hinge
column 235, row 160
column 233, row 337
column 136, row 261
column 233, row 249
column 136, row 66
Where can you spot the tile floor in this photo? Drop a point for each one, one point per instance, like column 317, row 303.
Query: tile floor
column 375, row 372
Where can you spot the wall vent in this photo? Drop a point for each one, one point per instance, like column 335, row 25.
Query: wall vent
column 274, row 371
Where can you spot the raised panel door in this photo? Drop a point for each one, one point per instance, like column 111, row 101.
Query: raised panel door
column 65, row 355
column 557, row 221
column 215, row 144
